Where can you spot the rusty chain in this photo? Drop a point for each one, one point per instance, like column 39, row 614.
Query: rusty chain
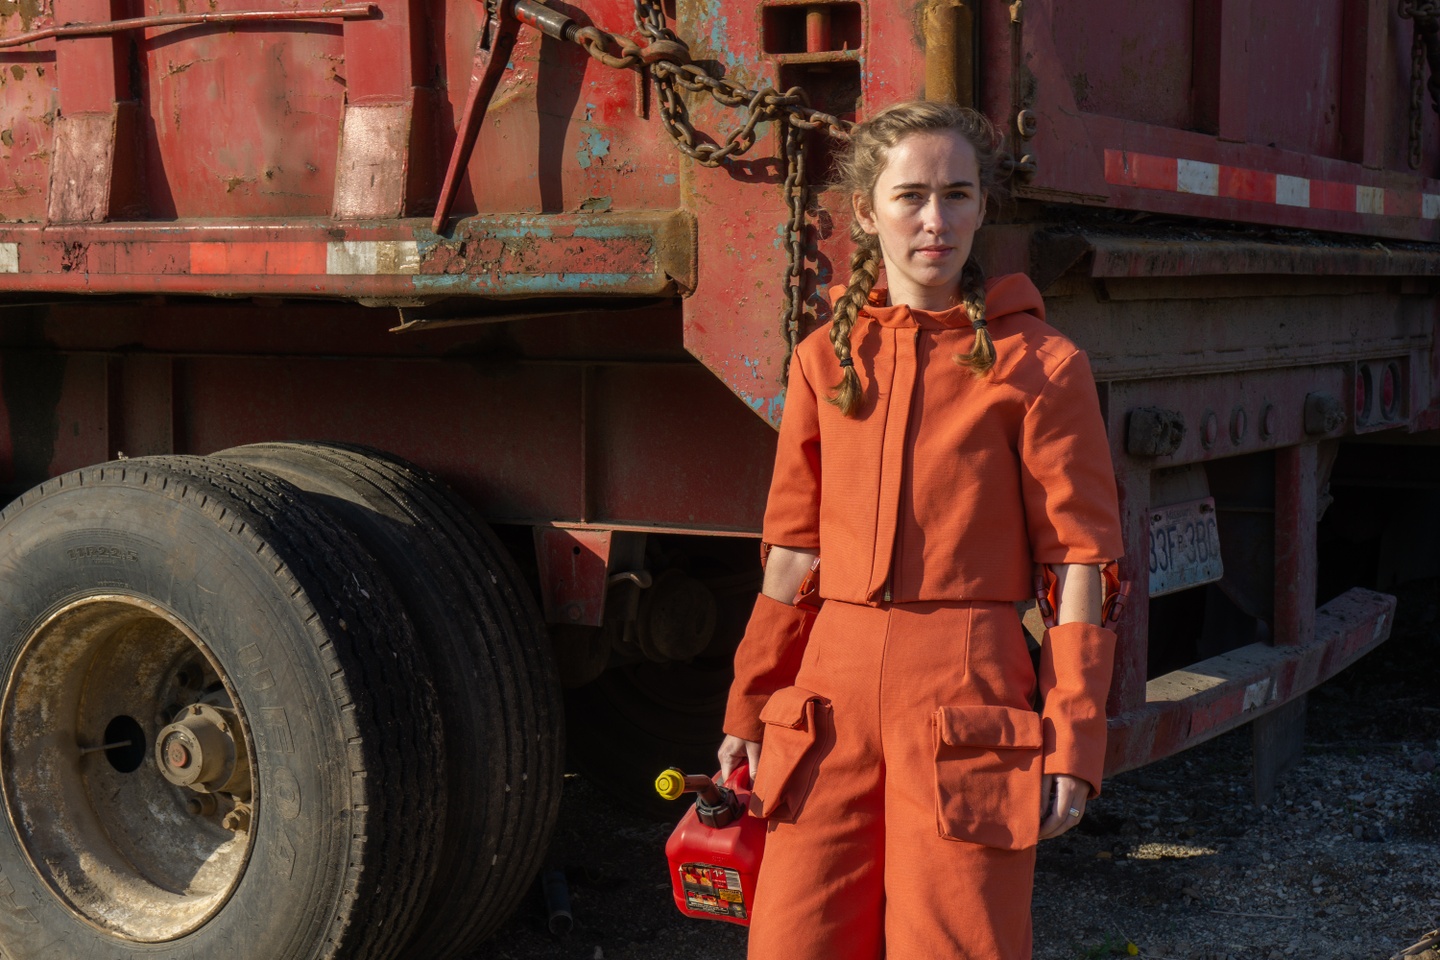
column 667, row 59
column 1426, row 45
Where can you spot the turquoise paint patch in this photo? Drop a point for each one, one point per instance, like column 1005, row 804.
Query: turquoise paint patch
column 593, row 146
column 529, row 227
column 669, row 178
column 517, row 283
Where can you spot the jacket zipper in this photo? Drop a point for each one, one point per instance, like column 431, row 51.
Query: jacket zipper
column 909, row 401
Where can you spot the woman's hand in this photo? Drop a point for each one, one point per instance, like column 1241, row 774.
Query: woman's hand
column 734, row 752
column 1060, row 794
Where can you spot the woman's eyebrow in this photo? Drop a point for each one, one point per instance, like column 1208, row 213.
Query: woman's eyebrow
column 917, row 186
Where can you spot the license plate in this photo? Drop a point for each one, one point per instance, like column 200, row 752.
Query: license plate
column 1184, row 546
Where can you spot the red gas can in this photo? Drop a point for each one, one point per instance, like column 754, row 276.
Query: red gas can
column 713, row 868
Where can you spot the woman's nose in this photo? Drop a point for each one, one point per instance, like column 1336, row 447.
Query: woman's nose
column 932, row 216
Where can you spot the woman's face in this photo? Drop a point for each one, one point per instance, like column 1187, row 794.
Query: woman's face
column 925, row 208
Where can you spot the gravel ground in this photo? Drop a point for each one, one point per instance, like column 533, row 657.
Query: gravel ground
column 1174, row 860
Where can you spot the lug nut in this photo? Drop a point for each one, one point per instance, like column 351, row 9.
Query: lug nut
column 237, row 820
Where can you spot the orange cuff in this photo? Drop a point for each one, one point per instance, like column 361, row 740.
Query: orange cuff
column 768, row 659
column 1076, row 661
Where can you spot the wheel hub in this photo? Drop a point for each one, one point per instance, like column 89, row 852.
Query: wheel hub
column 143, row 851
column 200, row 750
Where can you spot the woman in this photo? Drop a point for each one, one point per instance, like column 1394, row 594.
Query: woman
column 896, row 747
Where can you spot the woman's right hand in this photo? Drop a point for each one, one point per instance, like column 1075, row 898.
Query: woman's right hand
column 734, row 752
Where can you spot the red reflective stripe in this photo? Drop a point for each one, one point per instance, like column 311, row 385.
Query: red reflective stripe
column 1140, row 170
column 1127, row 169
column 1243, row 184
column 1402, row 203
column 1329, row 195
column 257, row 259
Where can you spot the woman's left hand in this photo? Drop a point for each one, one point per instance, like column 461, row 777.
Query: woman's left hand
column 1062, row 803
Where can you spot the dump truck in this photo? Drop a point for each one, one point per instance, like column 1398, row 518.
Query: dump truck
column 382, row 382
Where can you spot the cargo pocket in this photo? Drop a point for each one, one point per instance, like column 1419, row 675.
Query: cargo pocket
column 987, row 775
column 797, row 731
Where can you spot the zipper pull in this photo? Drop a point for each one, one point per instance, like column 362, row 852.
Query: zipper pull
column 887, row 591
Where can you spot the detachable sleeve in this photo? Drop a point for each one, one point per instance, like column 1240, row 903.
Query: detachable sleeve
column 767, row 660
column 1076, row 661
column 792, row 514
column 1066, row 475
column 769, row 654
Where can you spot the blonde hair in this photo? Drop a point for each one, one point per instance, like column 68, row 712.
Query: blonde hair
column 859, row 169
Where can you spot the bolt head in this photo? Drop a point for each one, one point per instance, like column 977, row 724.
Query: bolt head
column 237, row 820
column 1267, row 421
column 1210, row 429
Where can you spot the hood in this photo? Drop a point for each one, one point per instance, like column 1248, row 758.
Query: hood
column 1012, row 293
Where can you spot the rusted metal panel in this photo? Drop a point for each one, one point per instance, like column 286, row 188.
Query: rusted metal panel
column 1190, row 706
column 573, row 567
column 241, row 123
column 1269, row 89
column 83, row 166
column 634, row 445
column 640, row 254
column 29, row 104
column 141, row 406
column 373, row 167
column 58, row 412
column 714, row 470
column 1221, row 60
column 578, row 254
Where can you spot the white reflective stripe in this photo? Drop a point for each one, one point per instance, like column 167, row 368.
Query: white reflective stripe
column 372, row 257
column 1430, row 206
column 1292, row 191
column 1257, row 695
column 9, row 258
column 1194, row 176
column 1369, row 200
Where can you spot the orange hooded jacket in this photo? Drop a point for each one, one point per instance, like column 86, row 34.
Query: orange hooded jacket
column 946, row 486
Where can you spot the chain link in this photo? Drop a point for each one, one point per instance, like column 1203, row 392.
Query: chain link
column 667, row 59
column 1425, row 45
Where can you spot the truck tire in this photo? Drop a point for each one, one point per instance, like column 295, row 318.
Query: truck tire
column 216, row 736
column 481, row 632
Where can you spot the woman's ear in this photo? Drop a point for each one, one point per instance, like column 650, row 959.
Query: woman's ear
column 864, row 214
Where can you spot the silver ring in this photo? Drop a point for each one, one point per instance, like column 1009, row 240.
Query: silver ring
column 1075, row 812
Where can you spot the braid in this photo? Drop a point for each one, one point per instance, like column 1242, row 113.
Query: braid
column 972, row 292
column 864, row 270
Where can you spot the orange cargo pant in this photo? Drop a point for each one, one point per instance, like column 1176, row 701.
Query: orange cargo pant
column 901, row 774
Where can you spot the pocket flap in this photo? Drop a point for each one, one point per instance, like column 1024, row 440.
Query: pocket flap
column 786, row 707
column 990, row 726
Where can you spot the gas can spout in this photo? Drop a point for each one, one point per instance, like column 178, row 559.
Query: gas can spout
column 716, row 805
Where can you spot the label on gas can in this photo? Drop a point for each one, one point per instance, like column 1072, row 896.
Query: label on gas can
column 712, row 889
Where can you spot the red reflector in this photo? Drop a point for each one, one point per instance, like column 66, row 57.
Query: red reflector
column 1390, row 391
